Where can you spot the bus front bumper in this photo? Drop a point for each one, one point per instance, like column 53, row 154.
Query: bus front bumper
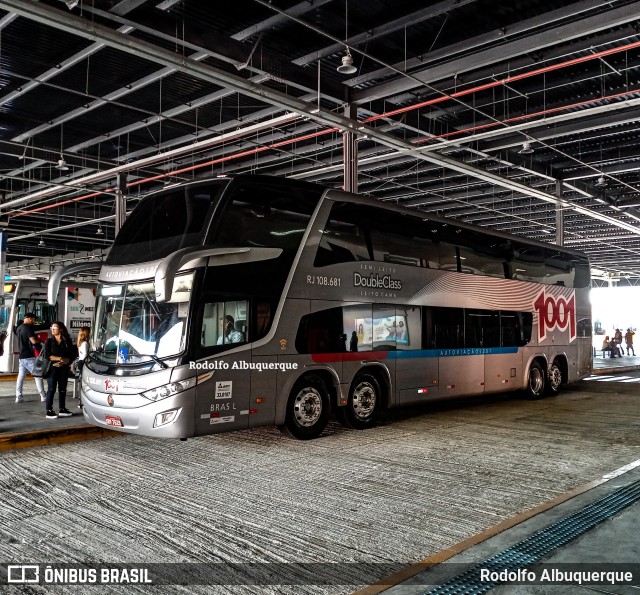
column 168, row 418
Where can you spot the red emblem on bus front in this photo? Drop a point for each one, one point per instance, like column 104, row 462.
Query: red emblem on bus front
column 111, row 385
column 555, row 313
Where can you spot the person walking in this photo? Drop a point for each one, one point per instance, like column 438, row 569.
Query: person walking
column 628, row 339
column 83, row 350
column 27, row 340
column 618, row 339
column 60, row 350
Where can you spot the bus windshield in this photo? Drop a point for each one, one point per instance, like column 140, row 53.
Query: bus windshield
column 165, row 223
column 131, row 327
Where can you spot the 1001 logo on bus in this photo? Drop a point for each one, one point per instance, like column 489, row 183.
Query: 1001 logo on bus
column 555, row 313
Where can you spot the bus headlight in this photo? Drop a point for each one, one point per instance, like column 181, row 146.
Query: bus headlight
column 168, row 390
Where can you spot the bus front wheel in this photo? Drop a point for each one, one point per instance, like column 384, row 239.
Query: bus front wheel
column 307, row 409
column 363, row 406
column 536, row 383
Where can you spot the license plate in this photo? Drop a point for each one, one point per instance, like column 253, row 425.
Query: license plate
column 112, row 420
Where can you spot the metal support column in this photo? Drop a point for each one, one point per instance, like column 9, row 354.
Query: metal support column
column 559, row 215
column 350, row 156
column 121, row 201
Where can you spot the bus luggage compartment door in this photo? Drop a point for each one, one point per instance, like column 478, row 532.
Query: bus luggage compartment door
column 461, row 375
column 503, row 372
column 416, row 376
column 222, row 400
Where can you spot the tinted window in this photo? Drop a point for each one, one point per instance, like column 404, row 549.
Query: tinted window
column 558, row 269
column 164, row 223
column 322, row 332
column 583, row 274
column 483, row 255
column 360, row 328
column 482, row 329
column 400, row 239
column 528, row 263
column 267, row 216
column 356, row 232
column 515, row 328
column 583, row 328
column 447, row 330
column 343, row 240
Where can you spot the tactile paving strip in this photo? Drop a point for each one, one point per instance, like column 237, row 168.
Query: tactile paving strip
column 537, row 546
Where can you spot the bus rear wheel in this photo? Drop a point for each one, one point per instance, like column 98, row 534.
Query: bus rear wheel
column 554, row 380
column 364, row 404
column 307, row 409
column 536, row 382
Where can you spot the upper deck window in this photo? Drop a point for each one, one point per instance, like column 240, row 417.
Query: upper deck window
column 268, row 216
column 356, row 232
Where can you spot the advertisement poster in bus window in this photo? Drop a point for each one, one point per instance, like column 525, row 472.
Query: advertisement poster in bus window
column 382, row 330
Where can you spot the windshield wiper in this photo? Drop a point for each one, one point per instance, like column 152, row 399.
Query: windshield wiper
column 156, row 359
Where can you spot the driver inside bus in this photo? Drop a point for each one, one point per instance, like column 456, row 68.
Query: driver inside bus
column 228, row 332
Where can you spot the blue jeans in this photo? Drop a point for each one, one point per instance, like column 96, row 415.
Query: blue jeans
column 26, row 365
column 57, row 378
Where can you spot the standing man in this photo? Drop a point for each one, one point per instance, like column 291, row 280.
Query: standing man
column 26, row 341
column 629, row 341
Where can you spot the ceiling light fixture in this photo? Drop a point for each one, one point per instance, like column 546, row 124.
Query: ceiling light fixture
column 62, row 164
column 99, row 231
column 41, row 243
column 347, row 66
column 602, row 182
column 71, row 4
column 526, row 148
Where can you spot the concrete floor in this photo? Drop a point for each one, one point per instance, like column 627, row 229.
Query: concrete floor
column 368, row 502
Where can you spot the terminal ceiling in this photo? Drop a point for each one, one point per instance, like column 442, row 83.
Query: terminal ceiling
column 443, row 98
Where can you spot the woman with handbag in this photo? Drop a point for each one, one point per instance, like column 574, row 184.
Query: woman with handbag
column 60, row 351
column 83, row 351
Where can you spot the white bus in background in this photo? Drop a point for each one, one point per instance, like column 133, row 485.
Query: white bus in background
column 74, row 306
column 233, row 303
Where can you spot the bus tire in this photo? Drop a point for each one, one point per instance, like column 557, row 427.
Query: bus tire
column 554, row 379
column 536, row 381
column 307, row 409
column 364, row 404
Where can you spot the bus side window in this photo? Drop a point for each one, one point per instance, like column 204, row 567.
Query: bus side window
column 224, row 323
column 321, row 332
column 447, row 327
column 263, row 319
column 209, row 326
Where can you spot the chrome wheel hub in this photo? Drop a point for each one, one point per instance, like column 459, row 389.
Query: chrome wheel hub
column 307, row 406
column 364, row 400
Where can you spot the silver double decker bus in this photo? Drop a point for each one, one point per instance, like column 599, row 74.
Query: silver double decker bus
column 240, row 302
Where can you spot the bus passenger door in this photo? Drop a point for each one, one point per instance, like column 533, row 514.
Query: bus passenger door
column 223, row 393
column 222, row 401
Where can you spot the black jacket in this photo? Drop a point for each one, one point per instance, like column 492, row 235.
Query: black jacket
column 65, row 348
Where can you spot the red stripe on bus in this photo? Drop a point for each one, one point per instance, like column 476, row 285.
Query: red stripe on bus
column 325, row 358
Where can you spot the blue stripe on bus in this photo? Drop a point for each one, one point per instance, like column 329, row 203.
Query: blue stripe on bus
column 352, row 356
column 451, row 352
